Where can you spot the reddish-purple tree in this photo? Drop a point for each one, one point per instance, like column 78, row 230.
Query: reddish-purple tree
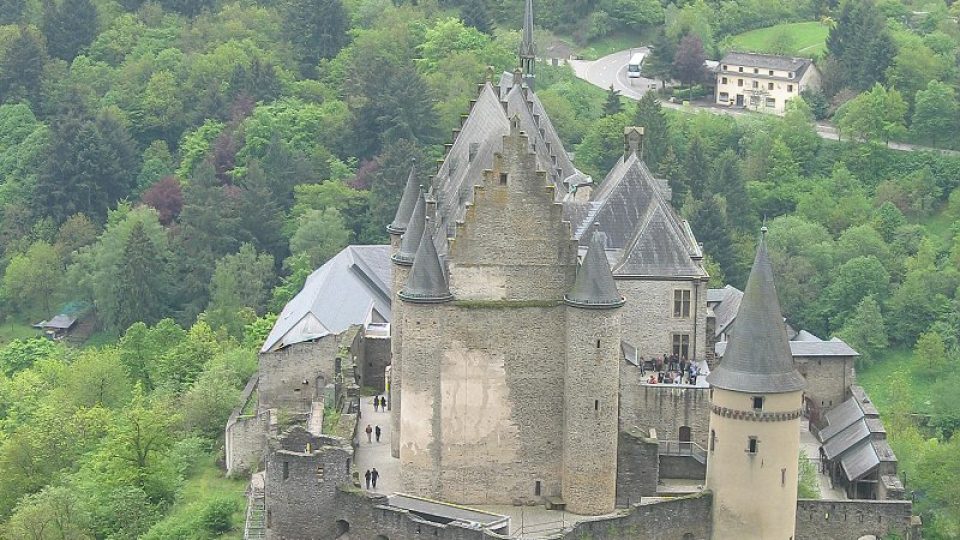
column 688, row 60
column 166, row 197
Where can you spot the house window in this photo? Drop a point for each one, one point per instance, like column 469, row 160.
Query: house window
column 503, row 179
column 756, row 84
column 755, row 70
column 757, row 403
column 740, row 69
column 789, row 88
column 739, row 82
column 724, row 96
column 725, row 67
column 681, row 303
column 723, row 80
column 770, row 86
column 771, row 73
column 790, row 75
column 681, row 345
column 771, row 102
column 752, row 445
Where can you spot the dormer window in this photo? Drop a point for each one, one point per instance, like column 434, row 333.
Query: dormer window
column 790, row 75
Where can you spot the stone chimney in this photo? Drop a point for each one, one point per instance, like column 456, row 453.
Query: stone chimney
column 632, row 141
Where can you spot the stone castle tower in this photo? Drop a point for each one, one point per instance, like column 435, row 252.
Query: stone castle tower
column 752, row 466
column 509, row 354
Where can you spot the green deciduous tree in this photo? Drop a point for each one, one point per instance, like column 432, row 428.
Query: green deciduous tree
column 32, row 280
column 855, row 280
column 877, row 115
column 930, row 353
column 320, row 235
column 935, row 113
column 865, row 331
column 241, row 282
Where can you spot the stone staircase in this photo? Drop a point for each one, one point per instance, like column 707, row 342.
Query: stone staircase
column 255, row 527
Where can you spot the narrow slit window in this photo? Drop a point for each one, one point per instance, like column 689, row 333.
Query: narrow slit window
column 503, row 179
column 598, row 343
column 537, row 488
column 286, row 470
column 596, row 404
column 752, row 445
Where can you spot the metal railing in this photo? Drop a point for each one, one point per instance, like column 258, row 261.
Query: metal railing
column 683, row 448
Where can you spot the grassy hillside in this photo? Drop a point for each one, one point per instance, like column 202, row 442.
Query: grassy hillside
column 805, row 38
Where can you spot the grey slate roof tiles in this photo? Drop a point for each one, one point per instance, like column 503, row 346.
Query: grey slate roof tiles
column 410, row 241
column 758, row 357
column 342, row 292
column 407, row 201
column 427, row 283
column 594, row 287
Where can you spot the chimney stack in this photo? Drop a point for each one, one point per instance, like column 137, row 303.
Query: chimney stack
column 632, row 141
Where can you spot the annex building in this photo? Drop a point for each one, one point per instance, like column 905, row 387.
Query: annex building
column 521, row 328
column 763, row 82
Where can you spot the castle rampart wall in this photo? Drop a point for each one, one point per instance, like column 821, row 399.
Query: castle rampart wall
column 818, row 519
column 283, row 372
column 663, row 407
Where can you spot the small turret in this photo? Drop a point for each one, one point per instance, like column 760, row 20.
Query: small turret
column 427, row 283
column 594, row 287
column 407, row 202
column 410, row 242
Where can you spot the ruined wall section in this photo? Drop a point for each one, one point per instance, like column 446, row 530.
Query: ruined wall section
column 245, row 437
column 818, row 519
column 283, row 372
column 673, row 519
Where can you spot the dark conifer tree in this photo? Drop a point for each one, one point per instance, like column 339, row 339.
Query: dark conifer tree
column 612, row 105
column 141, row 285
column 69, row 27
column 727, row 181
column 21, row 69
column 710, row 226
column 860, row 44
column 402, row 107
column 317, row 30
column 656, row 134
column 11, row 11
column 390, row 179
column 696, row 167
column 261, row 214
column 671, row 169
column 476, row 14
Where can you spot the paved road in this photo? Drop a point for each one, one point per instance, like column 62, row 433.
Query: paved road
column 612, row 70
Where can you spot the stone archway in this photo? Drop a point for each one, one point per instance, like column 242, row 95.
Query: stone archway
column 343, row 527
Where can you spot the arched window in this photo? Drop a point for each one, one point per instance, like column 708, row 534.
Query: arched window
column 342, row 528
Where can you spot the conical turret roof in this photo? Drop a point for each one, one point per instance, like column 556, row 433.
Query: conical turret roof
column 594, row 287
column 407, row 202
column 410, row 242
column 426, row 283
column 758, row 358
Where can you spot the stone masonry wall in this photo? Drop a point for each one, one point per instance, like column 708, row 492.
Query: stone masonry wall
column 686, row 467
column 828, row 378
column 637, row 467
column 245, row 437
column 373, row 359
column 282, row 374
column 683, row 518
column 818, row 519
column 648, row 321
column 664, row 408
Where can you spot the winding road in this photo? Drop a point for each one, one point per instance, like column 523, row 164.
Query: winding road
column 612, row 70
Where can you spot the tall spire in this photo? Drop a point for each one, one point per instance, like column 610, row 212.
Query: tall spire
column 594, row 287
column 528, row 51
column 410, row 242
column 426, row 283
column 407, row 201
column 758, row 357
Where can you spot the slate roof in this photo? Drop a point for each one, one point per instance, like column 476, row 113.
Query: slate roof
column 407, row 201
column 726, row 310
column 758, row 357
column 410, row 241
column 594, row 287
column 846, row 439
column 427, row 282
column 60, row 322
column 343, row 292
column 527, row 47
column 841, row 417
column 645, row 234
column 768, row 61
column 859, row 461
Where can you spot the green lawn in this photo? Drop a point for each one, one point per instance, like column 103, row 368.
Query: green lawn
column 10, row 331
column 894, row 375
column 610, row 44
column 802, row 39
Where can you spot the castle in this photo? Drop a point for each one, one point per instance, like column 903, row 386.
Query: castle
column 511, row 323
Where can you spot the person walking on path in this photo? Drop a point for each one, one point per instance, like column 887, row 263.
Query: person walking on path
column 376, row 403
column 369, row 431
column 374, row 474
column 376, row 431
column 383, row 403
column 366, row 476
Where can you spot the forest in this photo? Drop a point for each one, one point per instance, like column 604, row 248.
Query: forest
column 172, row 170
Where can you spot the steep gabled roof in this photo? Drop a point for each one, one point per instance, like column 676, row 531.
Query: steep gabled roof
column 481, row 136
column 758, row 357
column 343, row 292
column 634, row 212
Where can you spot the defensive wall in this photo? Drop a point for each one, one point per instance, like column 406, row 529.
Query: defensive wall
column 637, row 467
column 818, row 519
column 292, row 377
column 663, row 407
column 245, row 438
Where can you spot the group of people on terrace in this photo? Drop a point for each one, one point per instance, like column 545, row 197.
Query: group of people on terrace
column 669, row 370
